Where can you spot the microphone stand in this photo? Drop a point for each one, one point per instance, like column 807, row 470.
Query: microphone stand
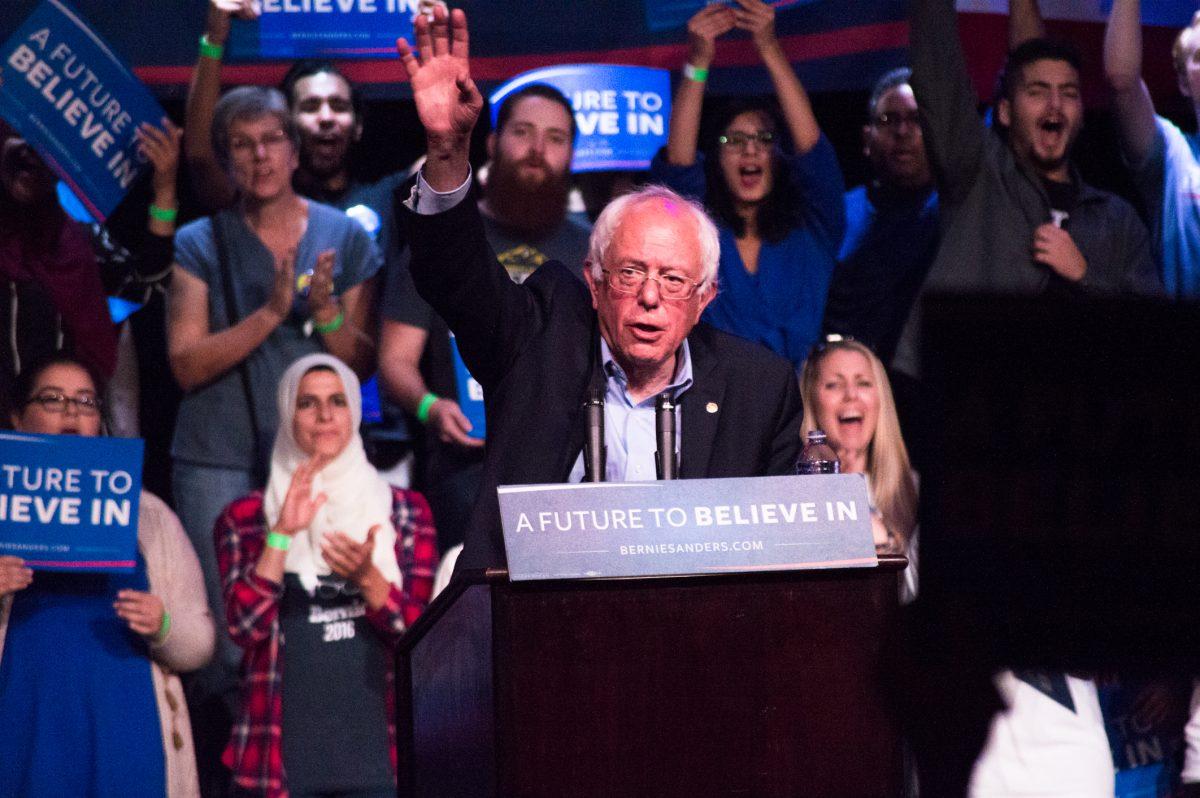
column 665, row 463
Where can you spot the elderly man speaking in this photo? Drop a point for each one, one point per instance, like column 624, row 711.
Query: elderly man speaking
column 542, row 348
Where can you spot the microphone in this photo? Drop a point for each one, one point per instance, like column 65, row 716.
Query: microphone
column 595, row 453
column 664, row 434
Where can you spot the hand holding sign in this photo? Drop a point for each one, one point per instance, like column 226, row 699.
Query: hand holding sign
column 447, row 420
column 143, row 612
column 758, row 18
column 448, row 101
column 161, row 148
column 703, row 29
column 14, row 575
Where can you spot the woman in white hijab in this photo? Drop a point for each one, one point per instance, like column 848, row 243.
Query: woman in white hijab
column 338, row 563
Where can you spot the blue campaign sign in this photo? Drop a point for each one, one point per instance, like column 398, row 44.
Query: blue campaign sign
column 470, row 394
column 686, row 526
column 69, row 503
column 77, row 103
column 621, row 111
column 325, row 29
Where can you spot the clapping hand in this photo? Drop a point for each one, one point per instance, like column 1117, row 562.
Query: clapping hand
column 300, row 506
column 348, row 558
column 322, row 305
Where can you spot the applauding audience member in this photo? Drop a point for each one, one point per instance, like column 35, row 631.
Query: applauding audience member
column 256, row 285
column 780, row 215
column 88, row 691
column 325, row 569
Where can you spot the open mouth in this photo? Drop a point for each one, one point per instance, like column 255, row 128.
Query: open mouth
column 750, row 176
column 645, row 332
column 851, row 420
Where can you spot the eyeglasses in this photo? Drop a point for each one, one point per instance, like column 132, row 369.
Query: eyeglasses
column 893, row 123
column 629, row 280
column 741, row 141
column 332, row 588
column 245, row 145
column 54, row 402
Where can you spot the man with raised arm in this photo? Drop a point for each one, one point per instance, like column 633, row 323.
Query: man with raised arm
column 1162, row 157
column 1016, row 216
column 540, row 349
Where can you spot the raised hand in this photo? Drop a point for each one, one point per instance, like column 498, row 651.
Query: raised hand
column 300, row 506
column 283, row 288
column 448, row 102
column 143, row 612
column 758, row 18
column 14, row 575
column 161, row 148
column 703, row 29
column 221, row 11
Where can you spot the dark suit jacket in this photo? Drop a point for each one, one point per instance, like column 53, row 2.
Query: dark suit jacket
column 533, row 347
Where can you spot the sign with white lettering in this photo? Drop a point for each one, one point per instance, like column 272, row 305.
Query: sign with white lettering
column 621, row 112
column 325, row 29
column 687, row 526
column 69, row 95
column 70, row 503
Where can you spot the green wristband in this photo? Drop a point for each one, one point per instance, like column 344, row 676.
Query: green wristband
column 164, row 628
column 278, row 540
column 332, row 326
column 210, row 50
column 698, row 74
column 423, row 409
column 163, row 214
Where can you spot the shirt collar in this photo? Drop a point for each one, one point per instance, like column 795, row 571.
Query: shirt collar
column 679, row 383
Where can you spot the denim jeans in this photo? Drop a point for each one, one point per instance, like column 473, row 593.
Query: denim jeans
column 201, row 494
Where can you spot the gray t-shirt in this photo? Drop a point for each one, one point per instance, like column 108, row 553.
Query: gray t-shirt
column 214, row 426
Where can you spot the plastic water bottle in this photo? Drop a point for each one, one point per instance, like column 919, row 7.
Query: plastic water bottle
column 817, row 456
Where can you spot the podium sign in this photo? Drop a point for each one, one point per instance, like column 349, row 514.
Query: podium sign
column 689, row 526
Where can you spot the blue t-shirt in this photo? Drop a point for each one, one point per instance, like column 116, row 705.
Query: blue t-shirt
column 214, row 424
column 1169, row 182
column 782, row 305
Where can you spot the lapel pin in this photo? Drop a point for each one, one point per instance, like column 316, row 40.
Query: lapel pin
column 711, row 407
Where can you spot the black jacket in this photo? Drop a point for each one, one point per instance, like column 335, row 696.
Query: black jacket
column 533, row 347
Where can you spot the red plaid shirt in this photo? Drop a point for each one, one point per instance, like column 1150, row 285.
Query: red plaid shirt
column 255, row 750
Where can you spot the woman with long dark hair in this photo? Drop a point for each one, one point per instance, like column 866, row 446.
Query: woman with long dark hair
column 780, row 213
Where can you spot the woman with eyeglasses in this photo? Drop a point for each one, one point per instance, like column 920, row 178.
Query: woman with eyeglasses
column 324, row 569
column 89, row 697
column 255, row 286
column 847, row 394
column 780, row 214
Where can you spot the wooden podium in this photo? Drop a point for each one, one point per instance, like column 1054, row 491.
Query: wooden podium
column 759, row 684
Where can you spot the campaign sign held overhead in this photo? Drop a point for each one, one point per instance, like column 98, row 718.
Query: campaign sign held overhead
column 621, row 112
column 76, row 103
column 325, row 29
column 70, row 503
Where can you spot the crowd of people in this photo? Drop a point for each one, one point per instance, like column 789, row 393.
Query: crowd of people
column 743, row 279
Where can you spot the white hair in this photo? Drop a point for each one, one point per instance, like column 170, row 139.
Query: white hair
column 612, row 216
